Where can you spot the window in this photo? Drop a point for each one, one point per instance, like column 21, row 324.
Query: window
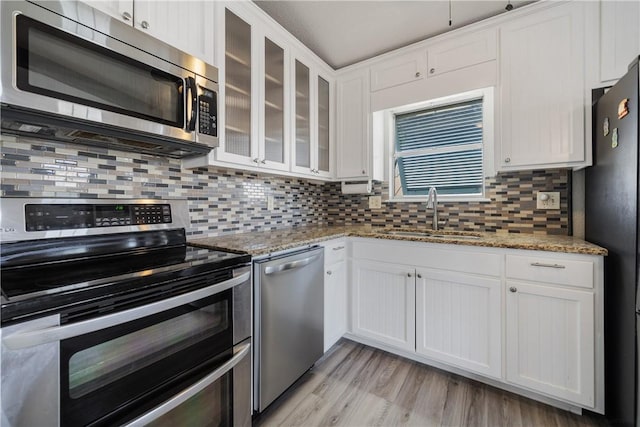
column 442, row 143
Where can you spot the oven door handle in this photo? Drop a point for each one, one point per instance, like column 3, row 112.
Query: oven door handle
column 25, row 339
column 240, row 353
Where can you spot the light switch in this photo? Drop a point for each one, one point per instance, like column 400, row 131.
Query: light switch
column 375, row 202
column 548, row 200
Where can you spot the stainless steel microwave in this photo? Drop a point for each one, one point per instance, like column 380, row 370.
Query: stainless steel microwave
column 71, row 73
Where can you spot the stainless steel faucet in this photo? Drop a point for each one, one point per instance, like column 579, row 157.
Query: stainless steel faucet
column 432, row 203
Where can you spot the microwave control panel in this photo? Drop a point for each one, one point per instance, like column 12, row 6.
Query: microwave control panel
column 64, row 217
column 207, row 112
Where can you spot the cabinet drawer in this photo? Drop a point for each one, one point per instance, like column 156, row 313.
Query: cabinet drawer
column 560, row 271
column 334, row 251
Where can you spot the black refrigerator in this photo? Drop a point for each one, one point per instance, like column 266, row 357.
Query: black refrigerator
column 612, row 220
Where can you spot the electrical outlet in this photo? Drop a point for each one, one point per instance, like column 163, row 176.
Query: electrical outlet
column 270, row 203
column 548, row 200
column 375, row 202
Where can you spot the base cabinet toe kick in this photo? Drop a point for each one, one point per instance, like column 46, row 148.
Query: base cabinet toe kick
column 530, row 322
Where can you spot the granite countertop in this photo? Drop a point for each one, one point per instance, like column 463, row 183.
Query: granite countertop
column 265, row 242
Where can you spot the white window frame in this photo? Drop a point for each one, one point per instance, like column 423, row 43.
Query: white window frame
column 488, row 115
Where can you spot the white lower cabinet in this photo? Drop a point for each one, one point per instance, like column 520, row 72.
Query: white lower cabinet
column 529, row 321
column 383, row 306
column 550, row 340
column 335, row 291
column 335, row 307
column 458, row 320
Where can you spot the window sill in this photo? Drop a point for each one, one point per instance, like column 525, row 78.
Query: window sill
column 441, row 199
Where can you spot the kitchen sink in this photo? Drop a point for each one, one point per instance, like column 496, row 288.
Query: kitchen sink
column 457, row 235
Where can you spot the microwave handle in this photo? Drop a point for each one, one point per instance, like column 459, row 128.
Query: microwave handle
column 192, row 89
column 32, row 338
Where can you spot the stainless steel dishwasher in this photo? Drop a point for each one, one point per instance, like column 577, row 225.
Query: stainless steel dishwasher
column 289, row 319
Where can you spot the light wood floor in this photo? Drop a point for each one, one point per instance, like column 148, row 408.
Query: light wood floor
column 356, row 385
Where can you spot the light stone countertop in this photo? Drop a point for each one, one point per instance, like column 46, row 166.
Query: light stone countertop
column 264, row 242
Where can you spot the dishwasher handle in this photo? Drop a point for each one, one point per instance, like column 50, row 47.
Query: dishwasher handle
column 274, row 269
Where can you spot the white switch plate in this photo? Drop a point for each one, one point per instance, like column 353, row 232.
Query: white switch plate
column 548, row 200
column 270, row 203
column 375, row 202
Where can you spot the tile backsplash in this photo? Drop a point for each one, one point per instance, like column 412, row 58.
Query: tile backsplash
column 224, row 201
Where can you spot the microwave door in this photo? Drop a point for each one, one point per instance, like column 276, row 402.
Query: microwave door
column 91, row 77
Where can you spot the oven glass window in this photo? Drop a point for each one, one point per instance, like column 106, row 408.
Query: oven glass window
column 102, row 364
column 57, row 64
column 112, row 373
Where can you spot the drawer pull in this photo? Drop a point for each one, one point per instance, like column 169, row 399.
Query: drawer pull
column 513, row 289
column 337, row 248
column 328, row 272
column 408, row 274
column 540, row 264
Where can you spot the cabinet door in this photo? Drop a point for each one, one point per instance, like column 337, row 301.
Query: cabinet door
column 274, row 152
column 383, row 306
column 353, row 126
column 403, row 69
column 550, row 341
column 323, row 123
column 187, row 25
column 335, row 303
column 619, row 37
column 119, row 9
column 542, row 89
column 461, row 52
column 237, row 145
column 302, row 118
column 458, row 320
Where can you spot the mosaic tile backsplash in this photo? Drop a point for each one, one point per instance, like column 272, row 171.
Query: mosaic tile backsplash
column 225, row 201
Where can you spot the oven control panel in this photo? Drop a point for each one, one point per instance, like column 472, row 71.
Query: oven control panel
column 43, row 217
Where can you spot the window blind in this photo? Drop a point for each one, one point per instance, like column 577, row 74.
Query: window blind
column 441, row 147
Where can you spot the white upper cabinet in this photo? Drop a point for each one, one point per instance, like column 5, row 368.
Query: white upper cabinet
column 186, row 25
column 542, row 89
column 312, row 121
column 353, row 153
column 460, row 52
column 619, row 37
column 399, row 70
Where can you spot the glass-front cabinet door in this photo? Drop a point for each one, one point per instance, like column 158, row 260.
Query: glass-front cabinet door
column 274, row 141
column 302, row 118
column 237, row 144
column 323, row 149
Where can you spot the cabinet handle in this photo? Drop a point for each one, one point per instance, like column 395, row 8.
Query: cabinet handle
column 364, row 172
column 513, row 289
column 263, row 161
column 417, row 73
column 433, row 70
column 419, row 276
column 408, row 274
column 126, row 16
column 541, row 264
column 328, row 272
column 144, row 24
column 337, row 248
column 507, row 160
column 256, row 160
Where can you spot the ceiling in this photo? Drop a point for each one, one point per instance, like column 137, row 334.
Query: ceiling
column 346, row 32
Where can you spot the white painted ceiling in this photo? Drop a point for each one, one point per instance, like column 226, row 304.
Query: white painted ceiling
column 346, row 32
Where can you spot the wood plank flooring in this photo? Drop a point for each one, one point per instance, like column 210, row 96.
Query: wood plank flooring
column 356, row 385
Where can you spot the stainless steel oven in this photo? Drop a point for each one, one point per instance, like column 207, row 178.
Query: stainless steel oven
column 72, row 73
column 132, row 328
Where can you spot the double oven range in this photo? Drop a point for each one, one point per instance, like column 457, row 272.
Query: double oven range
column 109, row 317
